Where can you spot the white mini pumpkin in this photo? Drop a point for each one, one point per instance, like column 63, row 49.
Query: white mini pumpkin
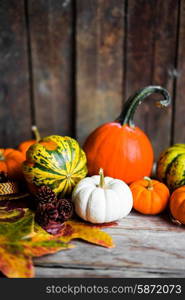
column 101, row 200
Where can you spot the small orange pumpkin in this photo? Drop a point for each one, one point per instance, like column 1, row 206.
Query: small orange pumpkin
column 177, row 204
column 11, row 162
column 24, row 146
column 150, row 196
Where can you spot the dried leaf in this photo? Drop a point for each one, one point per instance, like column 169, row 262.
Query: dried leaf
column 77, row 230
column 20, row 241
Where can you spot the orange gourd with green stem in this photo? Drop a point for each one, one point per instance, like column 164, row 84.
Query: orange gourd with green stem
column 120, row 148
column 149, row 196
column 24, row 146
column 11, row 162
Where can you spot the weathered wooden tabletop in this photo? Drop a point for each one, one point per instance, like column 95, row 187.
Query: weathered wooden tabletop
column 146, row 246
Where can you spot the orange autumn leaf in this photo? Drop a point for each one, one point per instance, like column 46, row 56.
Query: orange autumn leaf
column 78, row 230
column 14, row 264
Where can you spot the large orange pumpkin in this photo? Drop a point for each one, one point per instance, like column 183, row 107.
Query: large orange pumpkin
column 120, row 148
column 24, row 146
column 177, row 204
column 11, row 162
column 150, row 196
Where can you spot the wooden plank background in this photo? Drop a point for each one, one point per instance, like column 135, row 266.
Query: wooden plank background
column 68, row 66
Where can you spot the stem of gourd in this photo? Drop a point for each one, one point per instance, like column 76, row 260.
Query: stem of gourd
column 127, row 114
column 36, row 133
column 150, row 185
column 102, row 180
column 1, row 155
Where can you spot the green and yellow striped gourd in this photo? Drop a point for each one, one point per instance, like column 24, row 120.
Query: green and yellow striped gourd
column 171, row 166
column 57, row 162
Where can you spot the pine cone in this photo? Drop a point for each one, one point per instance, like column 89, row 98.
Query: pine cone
column 65, row 209
column 46, row 214
column 51, row 215
column 45, row 195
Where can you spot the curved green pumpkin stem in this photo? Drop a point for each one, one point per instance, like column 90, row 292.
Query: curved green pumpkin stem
column 127, row 115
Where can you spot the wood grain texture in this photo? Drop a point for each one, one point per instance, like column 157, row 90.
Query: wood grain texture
column 51, row 272
column 151, row 50
column 139, row 52
column 145, row 247
column 159, row 121
column 15, row 116
column 51, row 31
column 179, row 118
column 100, row 36
column 97, row 52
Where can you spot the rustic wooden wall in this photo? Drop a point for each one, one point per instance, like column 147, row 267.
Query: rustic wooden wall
column 68, row 66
